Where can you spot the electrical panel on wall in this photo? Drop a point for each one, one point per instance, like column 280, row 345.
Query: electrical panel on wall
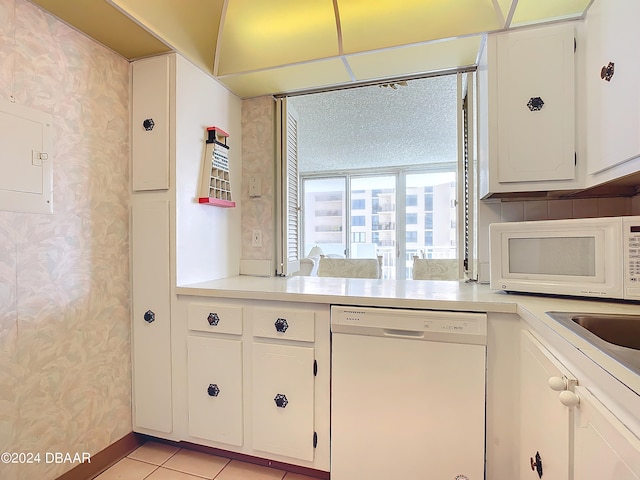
column 26, row 171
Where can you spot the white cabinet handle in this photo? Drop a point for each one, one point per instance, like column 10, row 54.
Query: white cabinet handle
column 558, row 384
column 569, row 399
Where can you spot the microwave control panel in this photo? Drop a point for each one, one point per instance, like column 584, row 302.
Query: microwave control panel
column 632, row 247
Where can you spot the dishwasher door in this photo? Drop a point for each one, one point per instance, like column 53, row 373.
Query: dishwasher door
column 407, row 394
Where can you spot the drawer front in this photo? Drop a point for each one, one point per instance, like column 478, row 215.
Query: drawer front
column 215, row 318
column 284, row 323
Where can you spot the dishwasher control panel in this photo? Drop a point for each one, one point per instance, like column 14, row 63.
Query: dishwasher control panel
column 409, row 323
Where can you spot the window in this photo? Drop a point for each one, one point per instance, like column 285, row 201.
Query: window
column 428, row 220
column 428, row 241
column 358, row 237
column 358, row 221
column 360, row 198
column 358, row 203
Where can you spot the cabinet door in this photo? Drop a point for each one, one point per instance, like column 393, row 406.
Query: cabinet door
column 150, row 124
column 545, row 422
column 604, row 447
column 535, row 105
column 283, row 400
column 613, row 106
column 151, row 315
column 215, row 389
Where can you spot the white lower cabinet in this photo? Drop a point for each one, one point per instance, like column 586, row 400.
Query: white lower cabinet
column 545, row 423
column 604, row 446
column 258, row 378
column 215, row 389
column 282, row 399
column 151, row 322
column 567, row 432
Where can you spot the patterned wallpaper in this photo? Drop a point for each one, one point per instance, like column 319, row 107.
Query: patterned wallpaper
column 258, row 154
column 65, row 371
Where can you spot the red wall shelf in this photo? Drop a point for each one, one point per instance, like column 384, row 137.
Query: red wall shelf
column 216, row 202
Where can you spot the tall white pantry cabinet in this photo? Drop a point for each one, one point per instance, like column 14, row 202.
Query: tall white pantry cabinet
column 240, row 375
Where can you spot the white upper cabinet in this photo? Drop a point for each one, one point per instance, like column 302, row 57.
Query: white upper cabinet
column 150, row 123
column 526, row 109
column 610, row 72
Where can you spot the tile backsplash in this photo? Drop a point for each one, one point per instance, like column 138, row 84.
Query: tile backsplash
column 516, row 211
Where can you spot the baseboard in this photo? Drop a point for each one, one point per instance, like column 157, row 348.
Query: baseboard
column 105, row 458
column 127, row 444
column 287, row 467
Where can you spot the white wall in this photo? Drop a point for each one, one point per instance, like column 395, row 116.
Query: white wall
column 207, row 237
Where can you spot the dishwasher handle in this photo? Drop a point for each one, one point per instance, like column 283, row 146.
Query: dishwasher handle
column 392, row 332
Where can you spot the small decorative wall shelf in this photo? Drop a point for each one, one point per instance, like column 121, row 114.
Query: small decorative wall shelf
column 215, row 188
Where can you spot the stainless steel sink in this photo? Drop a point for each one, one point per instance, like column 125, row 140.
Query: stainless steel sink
column 616, row 335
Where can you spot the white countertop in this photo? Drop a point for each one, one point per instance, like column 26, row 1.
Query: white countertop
column 442, row 295
column 427, row 294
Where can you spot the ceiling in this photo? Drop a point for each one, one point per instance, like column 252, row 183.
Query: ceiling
column 378, row 127
column 258, row 47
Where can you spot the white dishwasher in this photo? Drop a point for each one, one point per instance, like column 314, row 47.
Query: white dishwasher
column 407, row 394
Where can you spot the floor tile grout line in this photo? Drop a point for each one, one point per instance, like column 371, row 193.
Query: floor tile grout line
column 151, row 472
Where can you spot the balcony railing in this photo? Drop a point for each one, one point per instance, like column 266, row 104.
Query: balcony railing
column 387, row 207
column 328, row 228
column 384, row 226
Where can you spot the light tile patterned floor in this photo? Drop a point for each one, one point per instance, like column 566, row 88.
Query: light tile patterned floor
column 158, row 461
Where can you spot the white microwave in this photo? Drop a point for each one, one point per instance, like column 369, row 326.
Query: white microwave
column 587, row 257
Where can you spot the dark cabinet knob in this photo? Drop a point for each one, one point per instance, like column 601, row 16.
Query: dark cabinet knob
column 535, row 104
column 537, row 465
column 148, row 124
column 281, row 325
column 606, row 73
column 213, row 390
column 281, row 400
column 149, row 316
column 213, row 319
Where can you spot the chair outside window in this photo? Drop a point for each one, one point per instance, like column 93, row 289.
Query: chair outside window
column 350, row 267
column 435, row 268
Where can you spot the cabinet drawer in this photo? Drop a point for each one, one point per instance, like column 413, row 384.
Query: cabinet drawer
column 284, row 323
column 215, row 318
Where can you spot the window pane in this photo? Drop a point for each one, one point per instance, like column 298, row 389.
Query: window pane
column 357, row 203
column 378, row 192
column 358, row 221
column 435, row 234
column 412, row 218
column 323, row 215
